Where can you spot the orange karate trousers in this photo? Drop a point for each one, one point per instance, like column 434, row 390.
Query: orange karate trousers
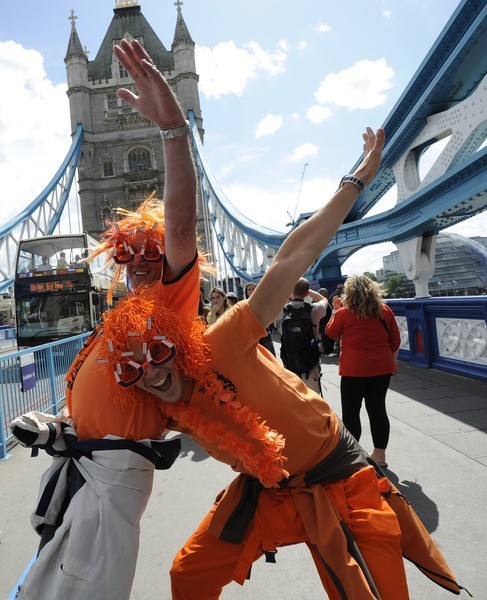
column 206, row 564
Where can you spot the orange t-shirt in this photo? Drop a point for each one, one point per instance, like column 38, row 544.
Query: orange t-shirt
column 304, row 418
column 90, row 400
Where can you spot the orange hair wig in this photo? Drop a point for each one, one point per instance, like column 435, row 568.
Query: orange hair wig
column 141, row 314
column 149, row 217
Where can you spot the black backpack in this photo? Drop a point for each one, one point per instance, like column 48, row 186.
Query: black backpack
column 299, row 349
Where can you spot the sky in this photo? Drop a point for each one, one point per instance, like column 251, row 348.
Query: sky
column 286, row 90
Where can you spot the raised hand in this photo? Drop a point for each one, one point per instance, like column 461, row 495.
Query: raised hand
column 373, row 145
column 155, row 101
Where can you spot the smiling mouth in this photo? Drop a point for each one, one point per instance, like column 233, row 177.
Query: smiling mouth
column 141, row 273
column 163, row 384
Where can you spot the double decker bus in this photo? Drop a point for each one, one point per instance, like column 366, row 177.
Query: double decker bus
column 57, row 294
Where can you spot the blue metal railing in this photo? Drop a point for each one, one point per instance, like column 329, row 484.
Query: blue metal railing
column 52, row 362
column 8, row 335
column 447, row 333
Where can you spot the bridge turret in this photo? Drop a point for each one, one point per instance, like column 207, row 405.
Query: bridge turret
column 76, row 61
column 185, row 77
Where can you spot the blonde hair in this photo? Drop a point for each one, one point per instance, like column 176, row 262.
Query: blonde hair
column 363, row 296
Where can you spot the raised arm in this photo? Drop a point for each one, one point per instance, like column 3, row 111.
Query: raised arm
column 303, row 245
column 157, row 102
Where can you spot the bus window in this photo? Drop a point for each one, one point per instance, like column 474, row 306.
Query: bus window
column 55, row 301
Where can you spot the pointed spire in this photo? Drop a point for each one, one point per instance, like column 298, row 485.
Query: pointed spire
column 74, row 45
column 181, row 34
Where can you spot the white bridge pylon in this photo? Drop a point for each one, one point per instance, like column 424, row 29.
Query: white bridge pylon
column 42, row 215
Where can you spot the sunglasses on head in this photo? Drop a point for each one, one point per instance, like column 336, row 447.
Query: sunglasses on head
column 151, row 250
column 128, row 371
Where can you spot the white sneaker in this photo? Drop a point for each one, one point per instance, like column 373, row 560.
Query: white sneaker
column 331, row 355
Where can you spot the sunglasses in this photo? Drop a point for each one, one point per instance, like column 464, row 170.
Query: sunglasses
column 157, row 352
column 150, row 252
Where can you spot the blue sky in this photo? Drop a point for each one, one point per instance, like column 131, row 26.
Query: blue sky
column 283, row 85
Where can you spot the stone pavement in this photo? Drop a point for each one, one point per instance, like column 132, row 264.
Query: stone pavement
column 437, row 457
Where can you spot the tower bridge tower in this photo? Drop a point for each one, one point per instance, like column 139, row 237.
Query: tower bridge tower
column 122, row 160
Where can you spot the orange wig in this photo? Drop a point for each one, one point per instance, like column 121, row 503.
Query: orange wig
column 141, row 314
column 149, row 218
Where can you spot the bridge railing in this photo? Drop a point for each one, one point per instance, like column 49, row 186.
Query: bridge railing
column 8, row 335
column 449, row 334
column 33, row 379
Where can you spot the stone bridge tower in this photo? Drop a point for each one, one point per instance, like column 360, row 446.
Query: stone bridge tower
column 122, row 158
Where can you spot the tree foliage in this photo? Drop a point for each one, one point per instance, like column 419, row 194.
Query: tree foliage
column 394, row 287
column 371, row 276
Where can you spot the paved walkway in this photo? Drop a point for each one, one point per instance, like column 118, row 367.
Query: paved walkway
column 437, row 456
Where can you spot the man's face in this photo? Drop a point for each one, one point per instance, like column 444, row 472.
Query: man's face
column 164, row 381
column 140, row 272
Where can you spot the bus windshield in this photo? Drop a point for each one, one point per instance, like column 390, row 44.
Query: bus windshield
column 45, row 315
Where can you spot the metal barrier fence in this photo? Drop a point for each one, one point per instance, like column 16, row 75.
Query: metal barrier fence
column 445, row 333
column 448, row 333
column 33, row 379
column 8, row 335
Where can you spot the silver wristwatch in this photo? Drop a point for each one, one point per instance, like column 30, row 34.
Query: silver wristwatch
column 169, row 134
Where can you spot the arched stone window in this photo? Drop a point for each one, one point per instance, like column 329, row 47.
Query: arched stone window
column 108, row 168
column 139, row 160
column 122, row 71
column 112, row 102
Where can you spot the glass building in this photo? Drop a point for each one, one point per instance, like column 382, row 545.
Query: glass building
column 460, row 267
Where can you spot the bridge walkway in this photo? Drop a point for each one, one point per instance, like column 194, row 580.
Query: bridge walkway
column 437, row 456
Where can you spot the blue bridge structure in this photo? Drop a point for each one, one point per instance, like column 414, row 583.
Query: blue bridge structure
column 445, row 104
column 445, row 100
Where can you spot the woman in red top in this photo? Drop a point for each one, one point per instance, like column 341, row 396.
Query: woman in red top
column 370, row 342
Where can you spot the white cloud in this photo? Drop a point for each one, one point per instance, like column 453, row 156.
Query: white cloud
column 317, row 114
column 302, row 45
column 34, row 128
column 303, row 151
column 323, row 28
column 275, row 205
column 475, row 226
column 368, row 258
column 268, row 125
column 283, row 45
column 237, row 155
column 271, row 63
column 262, row 205
column 226, row 69
column 386, row 13
column 363, row 85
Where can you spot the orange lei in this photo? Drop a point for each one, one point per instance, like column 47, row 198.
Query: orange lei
column 265, row 462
